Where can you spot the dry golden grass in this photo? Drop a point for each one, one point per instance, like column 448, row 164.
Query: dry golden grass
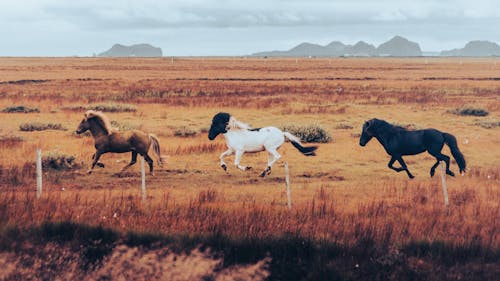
column 343, row 195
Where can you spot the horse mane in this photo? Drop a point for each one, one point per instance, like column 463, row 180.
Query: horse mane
column 386, row 126
column 236, row 124
column 102, row 119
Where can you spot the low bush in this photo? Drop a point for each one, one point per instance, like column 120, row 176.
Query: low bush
column 469, row 111
column 104, row 107
column 344, row 126
column 185, row 132
column 488, row 124
column 20, row 109
column 309, row 133
column 36, row 126
column 57, row 161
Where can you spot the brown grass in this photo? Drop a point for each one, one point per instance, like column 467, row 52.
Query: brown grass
column 345, row 196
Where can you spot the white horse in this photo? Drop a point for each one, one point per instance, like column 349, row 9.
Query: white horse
column 241, row 138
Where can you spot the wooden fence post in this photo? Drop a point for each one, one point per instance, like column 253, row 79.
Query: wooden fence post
column 443, row 182
column 288, row 192
column 143, row 180
column 38, row 173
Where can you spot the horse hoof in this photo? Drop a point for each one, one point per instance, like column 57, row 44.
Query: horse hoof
column 224, row 167
column 432, row 174
column 100, row 165
column 411, row 176
column 263, row 174
column 450, row 173
column 248, row 168
column 89, row 172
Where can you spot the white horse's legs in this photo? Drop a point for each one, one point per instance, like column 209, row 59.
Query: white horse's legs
column 273, row 157
column 224, row 154
column 237, row 159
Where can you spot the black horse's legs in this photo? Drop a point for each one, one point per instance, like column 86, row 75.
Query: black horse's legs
column 132, row 161
column 96, row 157
column 393, row 159
column 433, row 168
column 441, row 157
column 403, row 165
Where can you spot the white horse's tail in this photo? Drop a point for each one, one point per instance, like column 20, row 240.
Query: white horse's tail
column 156, row 148
column 306, row 150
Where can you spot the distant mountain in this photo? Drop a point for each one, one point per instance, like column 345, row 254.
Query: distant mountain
column 310, row 49
column 139, row 50
column 475, row 49
column 360, row 49
column 397, row 46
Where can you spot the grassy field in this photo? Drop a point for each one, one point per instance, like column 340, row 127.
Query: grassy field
column 352, row 218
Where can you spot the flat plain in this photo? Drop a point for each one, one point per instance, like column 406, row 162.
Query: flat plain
column 352, row 218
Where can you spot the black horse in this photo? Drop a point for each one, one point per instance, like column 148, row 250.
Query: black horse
column 397, row 141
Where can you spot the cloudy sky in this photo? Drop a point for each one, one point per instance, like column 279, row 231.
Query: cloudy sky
column 230, row 27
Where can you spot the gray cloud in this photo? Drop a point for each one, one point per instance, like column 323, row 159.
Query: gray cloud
column 197, row 27
column 223, row 14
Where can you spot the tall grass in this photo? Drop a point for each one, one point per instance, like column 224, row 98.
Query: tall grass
column 313, row 241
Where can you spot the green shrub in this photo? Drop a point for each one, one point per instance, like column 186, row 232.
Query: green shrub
column 104, row 107
column 36, row 126
column 309, row 133
column 469, row 111
column 20, row 109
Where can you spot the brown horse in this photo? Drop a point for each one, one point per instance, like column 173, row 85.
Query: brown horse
column 108, row 139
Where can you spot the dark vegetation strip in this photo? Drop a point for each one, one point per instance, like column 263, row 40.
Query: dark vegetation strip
column 293, row 257
column 276, row 79
column 25, row 81
column 37, row 81
column 464, row 78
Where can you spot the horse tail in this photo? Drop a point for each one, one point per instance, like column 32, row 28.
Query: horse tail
column 451, row 141
column 156, row 148
column 307, row 151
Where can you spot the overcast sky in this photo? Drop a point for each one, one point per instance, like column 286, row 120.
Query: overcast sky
column 230, row 27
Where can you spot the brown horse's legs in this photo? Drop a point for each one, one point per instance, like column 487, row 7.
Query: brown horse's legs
column 132, row 161
column 98, row 164
column 150, row 162
column 96, row 157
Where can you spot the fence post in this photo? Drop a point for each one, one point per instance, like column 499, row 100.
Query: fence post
column 38, row 173
column 288, row 192
column 443, row 182
column 143, row 180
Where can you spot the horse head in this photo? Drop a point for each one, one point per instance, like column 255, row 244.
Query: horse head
column 83, row 126
column 367, row 132
column 219, row 125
